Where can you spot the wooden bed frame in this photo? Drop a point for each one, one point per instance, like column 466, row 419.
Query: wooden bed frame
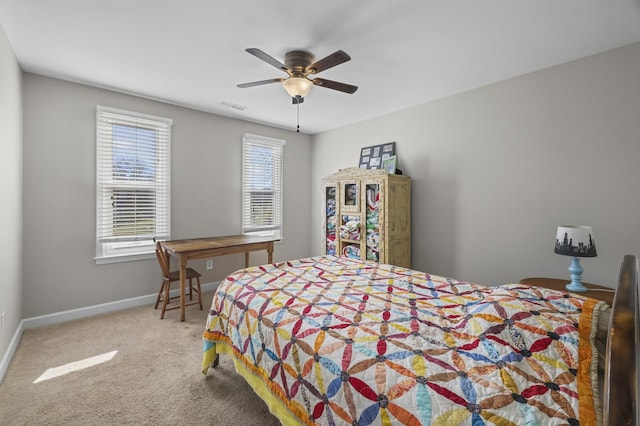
column 622, row 380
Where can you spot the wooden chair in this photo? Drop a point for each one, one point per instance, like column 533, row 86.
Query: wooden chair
column 168, row 277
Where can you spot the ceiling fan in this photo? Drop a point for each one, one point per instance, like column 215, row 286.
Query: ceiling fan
column 299, row 64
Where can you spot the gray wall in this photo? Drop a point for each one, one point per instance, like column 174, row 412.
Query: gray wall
column 11, row 190
column 59, row 194
column 496, row 169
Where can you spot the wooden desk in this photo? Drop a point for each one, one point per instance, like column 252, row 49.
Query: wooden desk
column 595, row 291
column 199, row 248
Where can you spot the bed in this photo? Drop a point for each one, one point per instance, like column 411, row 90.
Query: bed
column 331, row 340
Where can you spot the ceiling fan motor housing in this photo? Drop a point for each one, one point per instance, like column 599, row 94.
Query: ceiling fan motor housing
column 298, row 61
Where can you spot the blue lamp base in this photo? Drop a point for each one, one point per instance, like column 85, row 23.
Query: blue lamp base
column 576, row 276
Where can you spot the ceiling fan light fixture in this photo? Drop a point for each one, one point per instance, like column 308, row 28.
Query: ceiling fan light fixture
column 297, row 86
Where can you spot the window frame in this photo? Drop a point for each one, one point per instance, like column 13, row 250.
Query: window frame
column 109, row 247
column 248, row 225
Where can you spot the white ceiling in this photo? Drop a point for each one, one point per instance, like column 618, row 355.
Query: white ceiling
column 404, row 52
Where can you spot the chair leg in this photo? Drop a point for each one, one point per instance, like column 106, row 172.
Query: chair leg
column 190, row 288
column 167, row 288
column 159, row 295
column 199, row 292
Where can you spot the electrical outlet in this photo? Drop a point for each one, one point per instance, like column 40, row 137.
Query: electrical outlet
column 209, row 263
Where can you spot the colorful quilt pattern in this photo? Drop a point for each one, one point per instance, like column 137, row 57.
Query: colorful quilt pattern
column 331, row 340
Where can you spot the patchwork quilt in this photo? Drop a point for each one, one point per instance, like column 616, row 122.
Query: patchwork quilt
column 331, row 340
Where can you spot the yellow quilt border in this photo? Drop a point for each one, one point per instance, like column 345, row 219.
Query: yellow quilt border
column 588, row 391
column 258, row 382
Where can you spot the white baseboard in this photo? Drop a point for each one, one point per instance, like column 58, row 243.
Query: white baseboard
column 79, row 313
column 8, row 355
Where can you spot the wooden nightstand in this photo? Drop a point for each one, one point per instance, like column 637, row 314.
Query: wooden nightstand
column 595, row 291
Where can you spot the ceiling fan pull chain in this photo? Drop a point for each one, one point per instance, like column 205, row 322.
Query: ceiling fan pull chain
column 298, row 127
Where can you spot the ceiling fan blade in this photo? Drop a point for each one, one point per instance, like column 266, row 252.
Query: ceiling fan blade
column 261, row 82
column 268, row 59
column 335, row 85
column 330, row 61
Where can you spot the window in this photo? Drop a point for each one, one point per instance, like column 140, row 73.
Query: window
column 262, row 160
column 133, row 193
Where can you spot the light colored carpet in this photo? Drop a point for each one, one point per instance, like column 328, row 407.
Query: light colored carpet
column 154, row 378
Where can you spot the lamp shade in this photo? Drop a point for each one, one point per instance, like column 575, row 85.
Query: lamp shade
column 297, row 86
column 576, row 241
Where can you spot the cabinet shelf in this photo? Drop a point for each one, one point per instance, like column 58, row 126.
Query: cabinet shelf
column 346, row 240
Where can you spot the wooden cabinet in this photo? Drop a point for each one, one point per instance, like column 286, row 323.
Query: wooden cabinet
column 367, row 215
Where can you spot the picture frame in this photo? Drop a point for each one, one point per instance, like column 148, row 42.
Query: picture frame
column 389, row 164
column 373, row 157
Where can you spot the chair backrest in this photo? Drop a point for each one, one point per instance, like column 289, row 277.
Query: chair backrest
column 162, row 260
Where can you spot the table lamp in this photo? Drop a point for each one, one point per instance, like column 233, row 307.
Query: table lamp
column 575, row 241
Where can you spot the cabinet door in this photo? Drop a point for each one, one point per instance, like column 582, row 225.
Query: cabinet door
column 350, row 220
column 373, row 220
column 330, row 221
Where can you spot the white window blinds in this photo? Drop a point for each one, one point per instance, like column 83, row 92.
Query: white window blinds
column 262, row 175
column 133, row 197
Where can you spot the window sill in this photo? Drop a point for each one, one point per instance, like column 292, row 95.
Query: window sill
column 124, row 258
